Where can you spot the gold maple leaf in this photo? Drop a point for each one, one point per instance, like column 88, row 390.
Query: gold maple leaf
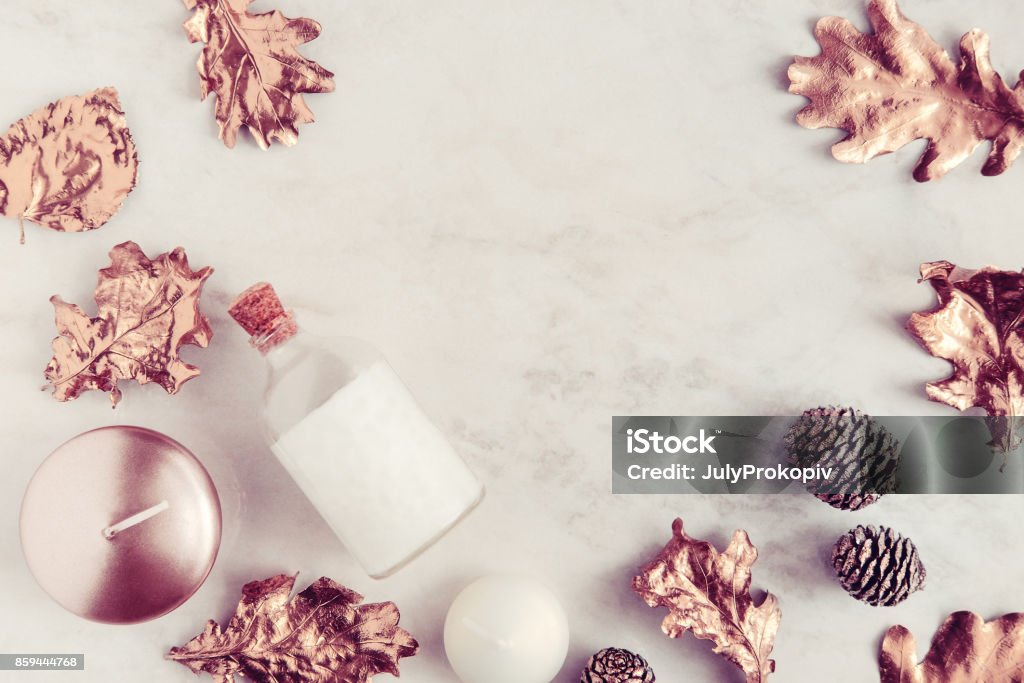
column 147, row 310
column 322, row 635
column 897, row 85
column 251, row 64
column 978, row 326
column 965, row 649
column 708, row 593
column 69, row 165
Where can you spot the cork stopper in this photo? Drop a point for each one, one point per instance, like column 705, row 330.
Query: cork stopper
column 260, row 313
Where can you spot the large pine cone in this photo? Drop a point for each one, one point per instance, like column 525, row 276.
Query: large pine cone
column 864, row 455
column 878, row 566
column 612, row 665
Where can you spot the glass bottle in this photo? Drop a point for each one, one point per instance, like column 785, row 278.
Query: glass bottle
column 346, row 428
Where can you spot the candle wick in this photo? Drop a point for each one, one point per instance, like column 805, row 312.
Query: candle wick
column 139, row 517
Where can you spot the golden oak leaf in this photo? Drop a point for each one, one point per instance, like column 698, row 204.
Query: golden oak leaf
column 146, row 311
column 977, row 327
column 69, row 165
column 251, row 64
column 965, row 649
column 897, row 85
column 708, row 593
column 322, row 635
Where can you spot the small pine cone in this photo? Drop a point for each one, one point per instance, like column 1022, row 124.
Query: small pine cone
column 878, row 565
column 849, row 501
column 863, row 454
column 612, row 665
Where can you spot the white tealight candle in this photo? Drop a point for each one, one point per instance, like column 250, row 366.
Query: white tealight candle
column 506, row 629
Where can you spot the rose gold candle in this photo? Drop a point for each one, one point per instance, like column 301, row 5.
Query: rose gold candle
column 120, row 525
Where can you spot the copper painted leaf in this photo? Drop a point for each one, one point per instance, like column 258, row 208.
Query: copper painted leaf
column 708, row 593
column 965, row 649
column 977, row 327
column 69, row 165
column 896, row 85
column 146, row 311
column 322, row 635
column 252, row 65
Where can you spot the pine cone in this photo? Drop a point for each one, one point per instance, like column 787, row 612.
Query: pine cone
column 612, row 665
column 863, row 454
column 878, row 566
column 849, row 501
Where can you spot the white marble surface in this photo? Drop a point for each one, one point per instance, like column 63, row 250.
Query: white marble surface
column 545, row 213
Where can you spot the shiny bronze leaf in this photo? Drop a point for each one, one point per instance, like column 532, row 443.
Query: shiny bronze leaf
column 322, row 635
column 897, row 85
column 69, row 165
column 146, row 311
column 251, row 64
column 977, row 327
column 965, row 649
column 708, row 593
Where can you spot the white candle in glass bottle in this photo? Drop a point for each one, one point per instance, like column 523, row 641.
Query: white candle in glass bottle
column 346, row 428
